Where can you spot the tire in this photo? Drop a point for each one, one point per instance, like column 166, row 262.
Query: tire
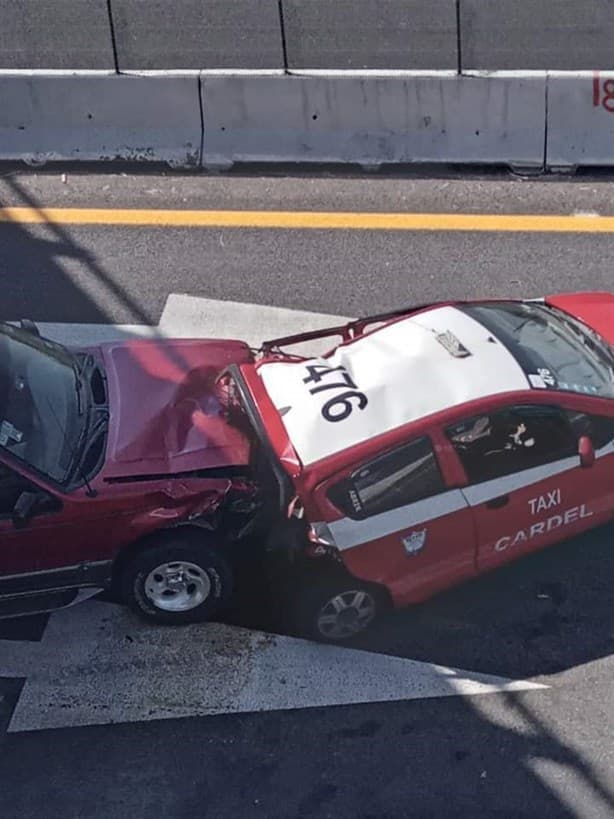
column 315, row 609
column 179, row 578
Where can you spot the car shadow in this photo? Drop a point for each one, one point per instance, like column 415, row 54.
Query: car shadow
column 540, row 615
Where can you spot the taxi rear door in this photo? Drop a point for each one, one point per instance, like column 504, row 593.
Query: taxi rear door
column 525, row 482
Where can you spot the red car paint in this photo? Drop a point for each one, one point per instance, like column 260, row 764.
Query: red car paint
column 165, row 417
column 165, row 430
column 169, row 422
column 594, row 309
column 479, row 535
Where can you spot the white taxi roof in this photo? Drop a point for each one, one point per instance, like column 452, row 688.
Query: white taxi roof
column 405, row 370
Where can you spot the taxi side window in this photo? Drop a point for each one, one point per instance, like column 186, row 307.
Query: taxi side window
column 12, row 484
column 599, row 428
column 501, row 443
column 397, row 478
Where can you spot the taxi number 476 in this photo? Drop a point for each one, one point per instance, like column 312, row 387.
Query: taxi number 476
column 339, row 406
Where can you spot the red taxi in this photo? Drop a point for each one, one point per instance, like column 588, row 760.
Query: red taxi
column 427, row 446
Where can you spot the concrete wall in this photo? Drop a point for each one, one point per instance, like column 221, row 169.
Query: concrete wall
column 551, row 35
column 133, row 35
column 524, row 83
column 197, row 34
column 54, row 34
column 371, row 34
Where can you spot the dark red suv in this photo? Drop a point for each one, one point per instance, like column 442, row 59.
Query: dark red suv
column 116, row 463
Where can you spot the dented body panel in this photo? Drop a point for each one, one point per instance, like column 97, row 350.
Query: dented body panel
column 165, row 415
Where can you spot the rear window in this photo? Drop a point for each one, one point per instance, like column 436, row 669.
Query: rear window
column 397, row 478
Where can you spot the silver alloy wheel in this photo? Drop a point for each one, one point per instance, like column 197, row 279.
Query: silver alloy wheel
column 177, row 586
column 346, row 614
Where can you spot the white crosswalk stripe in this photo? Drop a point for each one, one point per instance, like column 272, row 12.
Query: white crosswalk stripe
column 193, row 317
column 100, row 664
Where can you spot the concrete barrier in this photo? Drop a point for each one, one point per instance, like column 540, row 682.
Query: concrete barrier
column 370, row 34
column 371, row 120
column 580, row 120
column 138, row 35
column 55, row 34
column 197, row 34
column 93, row 116
column 569, row 35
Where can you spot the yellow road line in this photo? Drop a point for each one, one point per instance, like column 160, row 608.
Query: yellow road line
column 305, row 220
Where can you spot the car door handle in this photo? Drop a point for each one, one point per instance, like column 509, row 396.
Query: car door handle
column 497, row 503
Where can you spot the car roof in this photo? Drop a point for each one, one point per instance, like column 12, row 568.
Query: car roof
column 407, row 369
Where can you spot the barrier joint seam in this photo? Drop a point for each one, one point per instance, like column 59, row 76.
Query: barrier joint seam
column 201, row 108
column 113, row 38
column 546, row 89
column 282, row 26
column 459, row 53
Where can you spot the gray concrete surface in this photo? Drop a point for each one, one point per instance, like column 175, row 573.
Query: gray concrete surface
column 541, row 34
column 374, row 121
column 55, row 34
column 532, row 754
column 101, row 118
column 580, row 121
column 345, row 34
column 197, row 34
column 359, row 34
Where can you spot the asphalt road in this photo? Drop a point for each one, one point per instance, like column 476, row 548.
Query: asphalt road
column 549, row 618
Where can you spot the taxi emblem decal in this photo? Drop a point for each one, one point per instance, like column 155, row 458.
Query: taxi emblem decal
column 415, row 541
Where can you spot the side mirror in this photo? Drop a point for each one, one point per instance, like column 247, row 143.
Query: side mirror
column 24, row 508
column 29, row 326
column 586, row 452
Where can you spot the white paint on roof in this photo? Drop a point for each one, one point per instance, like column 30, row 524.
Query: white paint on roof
column 404, row 372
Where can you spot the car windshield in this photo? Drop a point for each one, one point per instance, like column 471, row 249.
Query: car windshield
column 553, row 349
column 42, row 413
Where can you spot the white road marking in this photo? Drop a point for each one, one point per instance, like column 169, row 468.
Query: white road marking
column 193, row 317
column 100, row 664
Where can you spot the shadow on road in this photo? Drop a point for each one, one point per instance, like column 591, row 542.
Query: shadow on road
column 47, row 276
column 544, row 614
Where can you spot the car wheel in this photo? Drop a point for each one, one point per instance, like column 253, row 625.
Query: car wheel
column 178, row 579
column 336, row 611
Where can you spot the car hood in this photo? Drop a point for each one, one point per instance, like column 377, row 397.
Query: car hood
column 165, row 417
column 595, row 309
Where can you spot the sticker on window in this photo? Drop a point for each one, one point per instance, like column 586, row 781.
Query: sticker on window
column 537, row 381
column 546, row 376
